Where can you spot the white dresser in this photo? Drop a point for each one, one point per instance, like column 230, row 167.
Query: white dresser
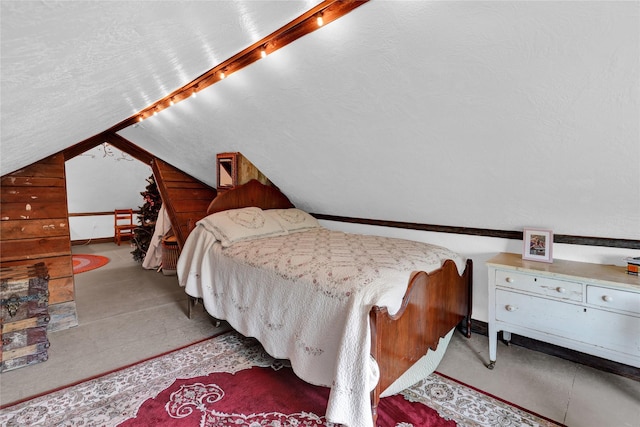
column 591, row 308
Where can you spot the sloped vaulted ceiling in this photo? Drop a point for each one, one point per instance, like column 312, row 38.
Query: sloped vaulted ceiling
column 72, row 69
column 480, row 114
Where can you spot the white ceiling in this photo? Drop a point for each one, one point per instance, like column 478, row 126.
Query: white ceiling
column 489, row 114
column 72, row 69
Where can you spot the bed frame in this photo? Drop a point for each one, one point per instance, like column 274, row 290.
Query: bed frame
column 433, row 304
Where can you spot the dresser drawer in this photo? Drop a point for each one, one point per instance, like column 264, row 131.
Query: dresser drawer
column 591, row 326
column 562, row 289
column 537, row 313
column 614, row 299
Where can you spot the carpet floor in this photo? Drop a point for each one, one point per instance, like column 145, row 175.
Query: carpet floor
column 180, row 388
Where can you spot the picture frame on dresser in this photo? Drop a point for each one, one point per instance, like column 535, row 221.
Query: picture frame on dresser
column 538, row 245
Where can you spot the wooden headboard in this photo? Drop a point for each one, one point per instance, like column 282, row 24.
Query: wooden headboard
column 253, row 193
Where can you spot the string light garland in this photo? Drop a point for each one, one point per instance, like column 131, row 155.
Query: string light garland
column 323, row 13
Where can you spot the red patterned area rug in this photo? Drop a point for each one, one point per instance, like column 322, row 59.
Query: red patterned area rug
column 82, row 263
column 230, row 381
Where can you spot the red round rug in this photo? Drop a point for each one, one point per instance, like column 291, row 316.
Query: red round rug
column 82, row 263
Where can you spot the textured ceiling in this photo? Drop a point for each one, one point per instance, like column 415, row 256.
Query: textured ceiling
column 488, row 114
column 72, row 69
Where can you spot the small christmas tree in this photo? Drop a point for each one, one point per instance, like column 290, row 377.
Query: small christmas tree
column 147, row 219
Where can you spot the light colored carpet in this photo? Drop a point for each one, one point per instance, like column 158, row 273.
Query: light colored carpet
column 125, row 314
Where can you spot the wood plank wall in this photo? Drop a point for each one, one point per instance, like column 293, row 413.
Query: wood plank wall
column 34, row 227
column 185, row 198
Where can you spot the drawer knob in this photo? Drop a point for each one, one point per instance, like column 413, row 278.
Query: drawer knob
column 561, row 290
column 607, row 298
column 511, row 308
column 509, row 280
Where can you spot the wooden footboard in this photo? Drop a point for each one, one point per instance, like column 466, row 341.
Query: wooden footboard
column 433, row 304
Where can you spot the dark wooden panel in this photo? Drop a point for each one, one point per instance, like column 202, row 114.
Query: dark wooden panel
column 54, row 159
column 32, row 210
column 36, row 194
column 183, row 211
column 173, row 175
column 34, row 227
column 60, row 266
column 14, row 250
column 61, row 290
column 28, row 181
column 188, row 206
column 181, row 185
column 189, row 194
column 115, row 140
column 83, row 146
column 128, row 147
column 41, row 170
column 21, row 229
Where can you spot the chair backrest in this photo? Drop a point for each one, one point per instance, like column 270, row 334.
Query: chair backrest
column 123, row 217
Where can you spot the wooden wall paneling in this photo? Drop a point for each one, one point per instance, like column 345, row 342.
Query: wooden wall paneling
column 14, row 229
column 35, row 248
column 61, row 289
column 36, row 194
column 185, row 198
column 34, row 226
column 31, row 210
column 247, row 171
column 56, row 266
column 8, row 180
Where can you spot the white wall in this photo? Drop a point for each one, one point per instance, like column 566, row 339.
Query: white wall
column 481, row 249
column 485, row 114
column 101, row 180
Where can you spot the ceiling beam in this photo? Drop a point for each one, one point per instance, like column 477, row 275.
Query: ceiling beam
column 129, row 147
column 82, row 146
column 113, row 139
column 306, row 23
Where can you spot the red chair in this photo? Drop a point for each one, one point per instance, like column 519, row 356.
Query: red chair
column 123, row 224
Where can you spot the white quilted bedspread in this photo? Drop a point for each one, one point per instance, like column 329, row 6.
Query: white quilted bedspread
column 306, row 297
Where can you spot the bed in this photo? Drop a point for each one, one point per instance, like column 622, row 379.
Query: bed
column 364, row 315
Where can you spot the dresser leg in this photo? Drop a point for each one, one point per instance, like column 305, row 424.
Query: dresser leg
column 493, row 345
column 506, row 337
